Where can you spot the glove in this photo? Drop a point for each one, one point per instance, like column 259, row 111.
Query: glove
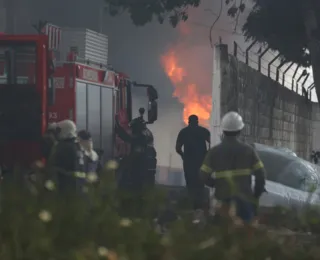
column 210, row 182
column 258, row 192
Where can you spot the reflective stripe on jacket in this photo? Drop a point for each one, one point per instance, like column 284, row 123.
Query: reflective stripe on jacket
column 231, row 164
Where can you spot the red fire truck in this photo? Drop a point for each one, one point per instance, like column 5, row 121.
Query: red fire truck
column 32, row 95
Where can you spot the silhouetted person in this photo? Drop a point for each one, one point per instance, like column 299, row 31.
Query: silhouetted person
column 193, row 139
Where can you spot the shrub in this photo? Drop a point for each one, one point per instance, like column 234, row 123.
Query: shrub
column 39, row 223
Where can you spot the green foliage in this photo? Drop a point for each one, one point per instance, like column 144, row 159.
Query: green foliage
column 143, row 11
column 37, row 222
column 279, row 24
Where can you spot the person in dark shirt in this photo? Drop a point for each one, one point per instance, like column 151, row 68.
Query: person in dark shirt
column 194, row 140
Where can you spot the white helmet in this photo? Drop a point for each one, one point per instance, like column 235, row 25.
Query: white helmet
column 68, row 129
column 232, row 122
column 52, row 126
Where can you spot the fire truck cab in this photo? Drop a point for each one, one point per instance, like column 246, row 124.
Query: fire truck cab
column 34, row 94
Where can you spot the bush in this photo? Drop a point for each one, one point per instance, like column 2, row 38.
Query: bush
column 38, row 223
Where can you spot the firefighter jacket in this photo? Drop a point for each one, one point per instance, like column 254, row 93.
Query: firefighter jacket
column 143, row 156
column 231, row 165
column 48, row 141
column 68, row 162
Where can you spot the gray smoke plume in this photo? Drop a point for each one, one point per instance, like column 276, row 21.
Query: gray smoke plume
column 137, row 51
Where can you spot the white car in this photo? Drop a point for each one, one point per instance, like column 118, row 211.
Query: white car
column 292, row 181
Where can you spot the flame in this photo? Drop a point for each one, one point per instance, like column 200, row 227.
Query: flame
column 187, row 92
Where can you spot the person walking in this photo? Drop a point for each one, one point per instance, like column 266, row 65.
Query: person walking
column 191, row 145
column 229, row 166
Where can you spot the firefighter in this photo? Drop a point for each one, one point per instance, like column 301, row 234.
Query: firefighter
column 91, row 158
column 228, row 167
column 49, row 140
column 142, row 160
column 193, row 139
column 137, row 175
column 68, row 158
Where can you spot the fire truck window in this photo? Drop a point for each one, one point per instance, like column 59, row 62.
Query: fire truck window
column 107, row 122
column 20, row 114
column 81, row 106
column 18, row 63
column 94, row 114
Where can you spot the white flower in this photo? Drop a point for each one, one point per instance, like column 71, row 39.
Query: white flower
column 125, row 222
column 39, row 164
column 255, row 223
column 85, row 189
column 166, row 240
column 50, row 185
column 208, row 243
column 237, row 221
column 45, row 216
column 92, row 177
column 217, row 204
column 103, row 251
column 233, row 210
column 112, row 165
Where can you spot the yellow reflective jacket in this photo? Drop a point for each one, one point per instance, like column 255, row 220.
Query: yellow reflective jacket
column 231, row 164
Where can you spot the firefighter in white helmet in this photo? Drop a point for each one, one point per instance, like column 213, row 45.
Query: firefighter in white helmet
column 68, row 158
column 229, row 166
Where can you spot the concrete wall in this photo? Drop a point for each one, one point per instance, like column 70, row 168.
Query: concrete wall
column 273, row 114
column 315, row 126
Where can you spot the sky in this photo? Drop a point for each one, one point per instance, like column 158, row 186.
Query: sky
column 137, row 51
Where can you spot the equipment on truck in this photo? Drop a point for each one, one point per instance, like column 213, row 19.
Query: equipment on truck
column 33, row 94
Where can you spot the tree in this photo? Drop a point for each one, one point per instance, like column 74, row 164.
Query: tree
column 280, row 24
column 289, row 27
column 143, row 11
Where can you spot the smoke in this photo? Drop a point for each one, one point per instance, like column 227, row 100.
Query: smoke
column 137, row 51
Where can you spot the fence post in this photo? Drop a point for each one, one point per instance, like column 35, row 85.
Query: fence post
column 293, row 77
column 272, row 61
column 260, row 57
column 278, row 70
column 235, row 49
column 247, row 51
column 284, row 73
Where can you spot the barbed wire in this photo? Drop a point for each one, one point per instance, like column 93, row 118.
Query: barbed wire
column 285, row 80
column 296, row 84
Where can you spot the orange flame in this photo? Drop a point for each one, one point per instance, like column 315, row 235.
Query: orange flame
column 187, row 92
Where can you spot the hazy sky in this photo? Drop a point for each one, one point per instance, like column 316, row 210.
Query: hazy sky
column 137, row 51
